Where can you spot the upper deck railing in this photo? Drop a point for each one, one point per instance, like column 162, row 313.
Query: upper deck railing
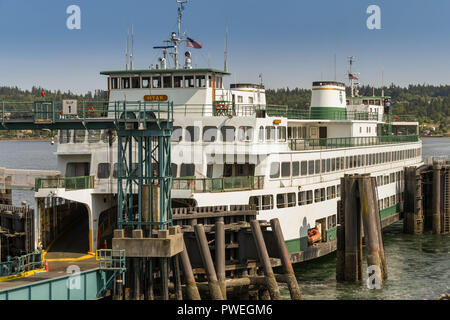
column 348, row 142
column 53, row 111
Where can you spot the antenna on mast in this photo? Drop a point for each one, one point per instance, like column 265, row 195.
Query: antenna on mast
column 225, row 63
column 335, row 67
column 132, row 48
column 352, row 77
column 382, row 82
column 127, row 50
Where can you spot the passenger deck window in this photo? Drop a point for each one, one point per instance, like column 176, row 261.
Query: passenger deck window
column 311, row 167
column 285, row 169
column 267, row 202
column 174, row 168
column 177, row 134
column 103, row 170
column 275, row 170
column 261, row 134
column 245, row 134
column 295, row 169
column 270, row 133
column 228, row 133
column 187, row 170
column 210, row 134
column 192, row 134
column 304, row 168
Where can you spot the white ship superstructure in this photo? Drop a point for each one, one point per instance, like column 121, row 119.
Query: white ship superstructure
column 229, row 147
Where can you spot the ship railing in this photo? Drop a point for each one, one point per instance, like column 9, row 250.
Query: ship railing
column 401, row 118
column 347, row 142
column 203, row 185
column 72, row 183
column 52, row 111
column 21, row 264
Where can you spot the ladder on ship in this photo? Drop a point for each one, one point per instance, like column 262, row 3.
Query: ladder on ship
column 446, row 206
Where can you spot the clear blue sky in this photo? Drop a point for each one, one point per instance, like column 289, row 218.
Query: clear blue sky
column 290, row 42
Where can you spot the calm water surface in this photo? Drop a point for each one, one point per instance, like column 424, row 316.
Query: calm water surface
column 418, row 266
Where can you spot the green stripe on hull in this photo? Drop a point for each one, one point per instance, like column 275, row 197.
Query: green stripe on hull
column 386, row 213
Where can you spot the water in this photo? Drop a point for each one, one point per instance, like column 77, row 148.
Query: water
column 418, row 266
column 37, row 155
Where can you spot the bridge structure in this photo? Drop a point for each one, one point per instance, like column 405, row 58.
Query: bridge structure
column 145, row 125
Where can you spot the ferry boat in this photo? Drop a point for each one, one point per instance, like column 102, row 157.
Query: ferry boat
column 229, row 147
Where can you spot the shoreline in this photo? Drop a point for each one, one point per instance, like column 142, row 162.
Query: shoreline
column 27, row 139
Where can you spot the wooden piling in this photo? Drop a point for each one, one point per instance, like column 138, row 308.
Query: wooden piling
column 340, row 237
column 177, row 277
column 285, row 258
column 272, row 284
column 369, row 223
column 379, row 229
column 353, row 240
column 215, row 290
column 191, row 286
column 220, row 255
column 436, row 205
column 164, row 279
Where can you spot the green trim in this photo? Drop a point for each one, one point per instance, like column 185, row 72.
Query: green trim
column 386, row 213
column 160, row 71
column 329, row 113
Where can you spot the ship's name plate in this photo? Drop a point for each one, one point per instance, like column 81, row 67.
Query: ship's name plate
column 155, row 97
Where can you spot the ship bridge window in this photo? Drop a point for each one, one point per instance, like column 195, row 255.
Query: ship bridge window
column 218, row 82
column 177, row 134
column 245, row 134
column 94, row 136
column 319, row 195
column 275, row 170
column 103, row 170
column 116, row 171
column 146, row 82
column 267, row 202
column 240, row 99
column 187, row 170
column 178, row 82
column 250, row 100
column 192, row 134
column 228, row 133
column 200, row 81
column 125, row 83
column 189, row 82
column 209, row 134
column 136, row 83
column 114, row 83
column 167, row 82
column 156, row 82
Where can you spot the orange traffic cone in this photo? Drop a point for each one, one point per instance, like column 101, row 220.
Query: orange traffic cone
column 46, row 265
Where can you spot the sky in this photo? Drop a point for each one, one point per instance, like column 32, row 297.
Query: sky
column 290, row 42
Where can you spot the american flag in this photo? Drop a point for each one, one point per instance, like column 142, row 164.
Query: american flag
column 352, row 76
column 193, row 43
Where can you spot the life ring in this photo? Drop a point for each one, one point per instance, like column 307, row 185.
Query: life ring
column 396, row 118
column 314, row 236
column 90, row 110
column 221, row 108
